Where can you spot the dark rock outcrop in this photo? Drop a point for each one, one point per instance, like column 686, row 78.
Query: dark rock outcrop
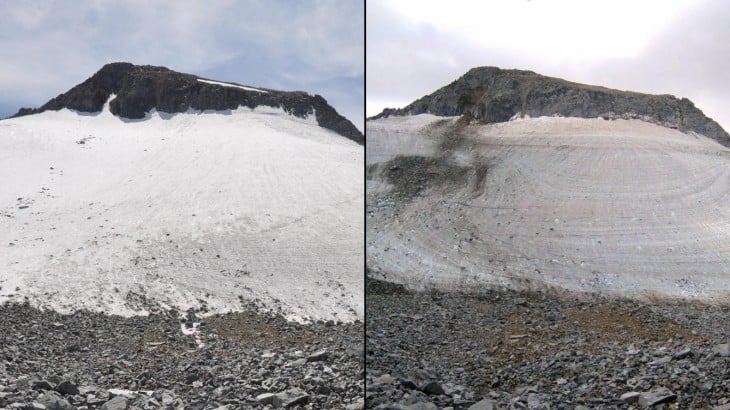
column 139, row 89
column 489, row 95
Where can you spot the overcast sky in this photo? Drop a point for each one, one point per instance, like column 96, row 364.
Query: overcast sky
column 49, row 46
column 678, row 47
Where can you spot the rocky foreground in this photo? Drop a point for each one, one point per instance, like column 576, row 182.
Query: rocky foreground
column 503, row 349
column 248, row 360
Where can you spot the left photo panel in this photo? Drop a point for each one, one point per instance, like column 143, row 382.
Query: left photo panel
column 181, row 205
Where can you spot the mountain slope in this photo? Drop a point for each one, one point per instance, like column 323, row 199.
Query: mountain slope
column 624, row 206
column 139, row 89
column 489, row 94
column 211, row 210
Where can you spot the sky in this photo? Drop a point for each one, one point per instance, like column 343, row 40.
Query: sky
column 679, row 47
column 48, row 46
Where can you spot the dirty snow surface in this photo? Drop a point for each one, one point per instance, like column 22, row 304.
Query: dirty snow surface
column 214, row 210
column 620, row 207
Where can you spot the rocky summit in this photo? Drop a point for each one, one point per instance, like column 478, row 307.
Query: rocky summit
column 490, row 94
column 141, row 88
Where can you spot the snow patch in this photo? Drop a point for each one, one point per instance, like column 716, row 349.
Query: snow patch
column 193, row 330
column 232, row 85
column 130, row 394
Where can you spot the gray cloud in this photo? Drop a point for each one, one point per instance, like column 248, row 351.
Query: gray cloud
column 688, row 57
column 406, row 60
column 49, row 46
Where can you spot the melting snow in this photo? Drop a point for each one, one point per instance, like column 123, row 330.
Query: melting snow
column 194, row 331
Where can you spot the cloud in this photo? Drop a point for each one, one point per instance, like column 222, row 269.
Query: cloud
column 689, row 58
column 49, row 47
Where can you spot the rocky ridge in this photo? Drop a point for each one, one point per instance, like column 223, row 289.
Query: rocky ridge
column 140, row 88
column 490, row 94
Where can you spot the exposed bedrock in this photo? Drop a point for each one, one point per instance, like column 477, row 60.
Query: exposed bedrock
column 140, row 88
column 490, row 94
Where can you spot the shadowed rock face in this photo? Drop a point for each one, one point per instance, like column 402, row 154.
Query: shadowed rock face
column 139, row 89
column 490, row 94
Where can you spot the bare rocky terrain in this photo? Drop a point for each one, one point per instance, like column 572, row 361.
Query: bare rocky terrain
column 244, row 360
column 506, row 349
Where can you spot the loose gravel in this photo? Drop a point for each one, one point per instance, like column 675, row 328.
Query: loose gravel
column 504, row 349
column 245, row 360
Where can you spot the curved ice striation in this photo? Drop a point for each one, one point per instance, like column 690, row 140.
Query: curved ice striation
column 623, row 207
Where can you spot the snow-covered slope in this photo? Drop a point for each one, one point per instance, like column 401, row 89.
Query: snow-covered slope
column 214, row 209
column 623, row 206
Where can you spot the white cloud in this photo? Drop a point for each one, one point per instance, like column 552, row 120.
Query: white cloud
column 556, row 29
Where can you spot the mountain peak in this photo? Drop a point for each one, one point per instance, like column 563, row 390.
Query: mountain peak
column 141, row 88
column 491, row 94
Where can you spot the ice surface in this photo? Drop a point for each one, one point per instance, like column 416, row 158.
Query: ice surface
column 185, row 210
column 622, row 207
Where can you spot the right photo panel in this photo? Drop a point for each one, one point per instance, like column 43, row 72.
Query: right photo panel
column 547, row 205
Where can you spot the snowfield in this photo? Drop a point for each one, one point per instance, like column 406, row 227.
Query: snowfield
column 620, row 207
column 213, row 209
